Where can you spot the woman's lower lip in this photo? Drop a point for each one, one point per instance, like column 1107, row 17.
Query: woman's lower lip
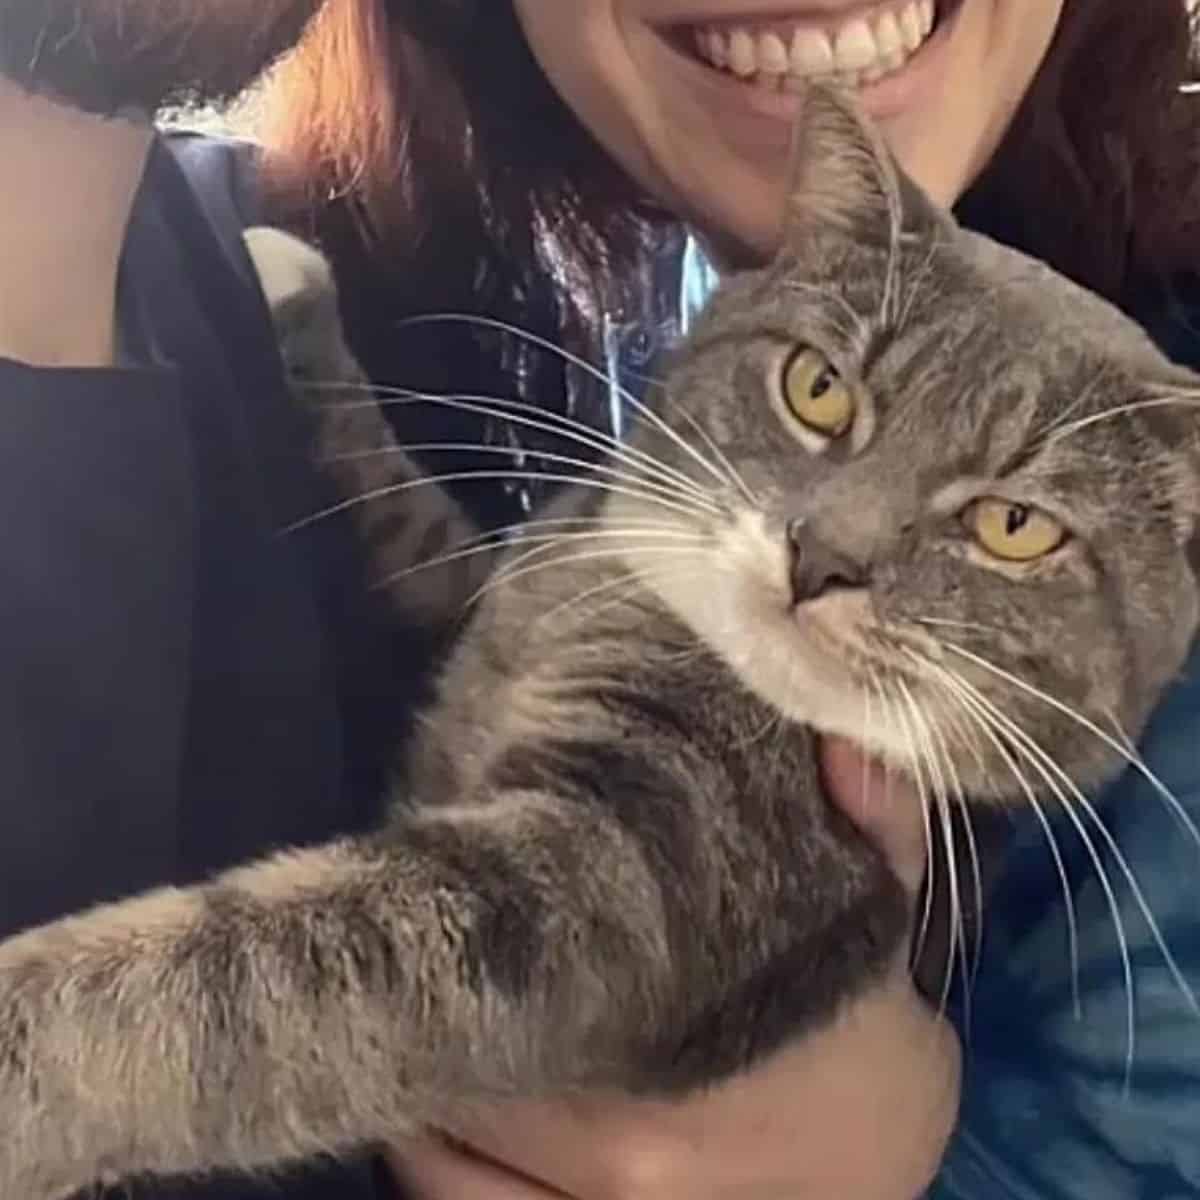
column 885, row 98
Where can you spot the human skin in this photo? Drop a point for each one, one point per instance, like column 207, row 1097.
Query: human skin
column 860, row 1113
column 71, row 173
column 58, row 256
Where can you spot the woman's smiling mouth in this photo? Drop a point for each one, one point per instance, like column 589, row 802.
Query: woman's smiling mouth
column 875, row 47
column 861, row 49
column 784, row 53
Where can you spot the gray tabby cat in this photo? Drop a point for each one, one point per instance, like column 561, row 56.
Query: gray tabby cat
column 904, row 485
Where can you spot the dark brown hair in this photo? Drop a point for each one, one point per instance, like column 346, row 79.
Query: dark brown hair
column 109, row 55
column 1100, row 173
column 430, row 120
column 421, row 142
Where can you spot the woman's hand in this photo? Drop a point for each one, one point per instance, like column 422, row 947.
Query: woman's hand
column 883, row 805
column 437, row 1169
column 860, row 1111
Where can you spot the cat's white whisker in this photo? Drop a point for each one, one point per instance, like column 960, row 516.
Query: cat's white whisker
column 1110, row 900
column 511, row 568
column 479, row 546
column 475, row 546
column 947, row 623
column 889, row 302
column 1080, row 400
column 547, row 456
column 734, row 474
column 497, row 539
column 870, row 692
column 1119, row 732
column 512, row 412
column 631, row 581
column 1172, row 802
column 509, row 576
column 970, row 960
column 899, row 720
column 513, row 532
column 1058, row 780
column 919, row 279
column 1134, row 759
column 539, row 546
column 569, row 430
column 585, row 366
column 972, row 746
column 631, row 538
column 1060, row 432
column 649, row 380
column 940, row 794
column 977, row 708
column 1110, row 843
column 462, row 476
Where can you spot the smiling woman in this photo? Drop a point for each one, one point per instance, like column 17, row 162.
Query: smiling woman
column 698, row 104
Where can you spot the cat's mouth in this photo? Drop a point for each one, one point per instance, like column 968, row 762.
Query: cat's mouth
column 824, row 661
column 842, row 626
column 880, row 671
column 786, row 54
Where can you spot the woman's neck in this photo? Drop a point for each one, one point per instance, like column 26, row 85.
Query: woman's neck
column 69, row 185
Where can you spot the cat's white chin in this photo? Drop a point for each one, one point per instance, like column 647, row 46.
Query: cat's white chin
column 816, row 669
column 809, row 662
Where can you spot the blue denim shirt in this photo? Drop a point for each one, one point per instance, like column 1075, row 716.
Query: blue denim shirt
column 1055, row 1105
column 1063, row 1101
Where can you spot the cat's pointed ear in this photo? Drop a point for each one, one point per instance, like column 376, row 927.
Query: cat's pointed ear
column 844, row 179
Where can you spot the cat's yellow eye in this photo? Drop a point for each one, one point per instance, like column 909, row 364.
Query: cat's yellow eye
column 815, row 394
column 1014, row 532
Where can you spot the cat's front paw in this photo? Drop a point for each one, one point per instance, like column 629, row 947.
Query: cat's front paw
column 298, row 285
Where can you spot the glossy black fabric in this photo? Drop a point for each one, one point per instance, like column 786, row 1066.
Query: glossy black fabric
column 180, row 678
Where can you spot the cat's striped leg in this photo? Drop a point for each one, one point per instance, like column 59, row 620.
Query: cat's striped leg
column 324, row 999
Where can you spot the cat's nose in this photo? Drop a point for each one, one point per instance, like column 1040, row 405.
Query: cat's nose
column 817, row 568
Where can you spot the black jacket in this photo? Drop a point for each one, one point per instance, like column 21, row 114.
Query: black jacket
column 182, row 685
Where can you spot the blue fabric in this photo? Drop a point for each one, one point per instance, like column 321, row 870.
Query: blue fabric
column 1066, row 1102
column 1057, row 1103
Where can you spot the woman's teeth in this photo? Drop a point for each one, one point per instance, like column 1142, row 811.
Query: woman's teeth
column 861, row 51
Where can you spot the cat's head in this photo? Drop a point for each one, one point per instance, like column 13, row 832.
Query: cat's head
column 941, row 500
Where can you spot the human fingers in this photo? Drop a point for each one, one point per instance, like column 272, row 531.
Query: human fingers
column 882, row 803
column 436, row 1168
